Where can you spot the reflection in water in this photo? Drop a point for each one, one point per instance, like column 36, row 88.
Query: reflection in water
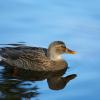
column 57, row 82
column 13, row 86
column 15, row 44
column 10, row 90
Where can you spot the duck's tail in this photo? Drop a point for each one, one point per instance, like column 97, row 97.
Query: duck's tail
column 1, row 58
column 0, row 55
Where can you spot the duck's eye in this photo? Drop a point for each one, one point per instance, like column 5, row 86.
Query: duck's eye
column 62, row 46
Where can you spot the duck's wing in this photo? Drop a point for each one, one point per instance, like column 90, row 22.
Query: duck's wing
column 32, row 60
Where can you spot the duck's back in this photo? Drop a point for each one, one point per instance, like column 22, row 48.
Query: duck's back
column 26, row 57
column 10, row 50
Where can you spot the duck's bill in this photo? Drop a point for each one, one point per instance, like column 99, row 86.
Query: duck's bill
column 68, row 51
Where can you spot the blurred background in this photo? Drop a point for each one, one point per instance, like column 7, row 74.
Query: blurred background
column 76, row 22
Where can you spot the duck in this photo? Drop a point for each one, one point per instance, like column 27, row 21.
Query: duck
column 36, row 58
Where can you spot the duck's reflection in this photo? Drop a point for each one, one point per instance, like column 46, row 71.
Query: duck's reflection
column 57, row 83
column 10, row 90
column 12, row 86
column 14, row 44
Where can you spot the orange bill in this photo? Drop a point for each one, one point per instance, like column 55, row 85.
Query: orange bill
column 68, row 51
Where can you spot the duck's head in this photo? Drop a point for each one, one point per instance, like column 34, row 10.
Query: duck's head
column 57, row 48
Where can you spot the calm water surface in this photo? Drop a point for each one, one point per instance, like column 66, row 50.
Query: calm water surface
column 39, row 22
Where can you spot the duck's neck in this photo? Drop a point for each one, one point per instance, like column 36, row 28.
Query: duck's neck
column 53, row 55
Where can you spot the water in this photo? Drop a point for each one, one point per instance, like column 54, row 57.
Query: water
column 37, row 23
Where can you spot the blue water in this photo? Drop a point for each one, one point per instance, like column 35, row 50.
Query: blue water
column 76, row 22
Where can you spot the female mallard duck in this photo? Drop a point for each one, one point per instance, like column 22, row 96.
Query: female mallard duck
column 36, row 58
